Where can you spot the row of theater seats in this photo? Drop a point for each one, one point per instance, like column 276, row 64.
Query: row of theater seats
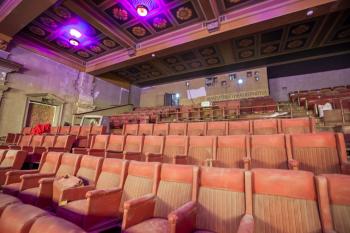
column 316, row 152
column 217, row 128
column 35, row 145
column 154, row 197
column 81, row 132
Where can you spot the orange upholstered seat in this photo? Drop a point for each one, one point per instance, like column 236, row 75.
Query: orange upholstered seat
column 115, row 146
column 177, row 188
column 201, row 149
column 217, row 128
column 265, row 126
column 320, row 152
column 145, row 129
column 10, row 160
column 284, row 201
column 231, row 150
column 177, row 128
column 175, row 148
column 130, row 129
column 161, row 129
column 238, row 127
column 196, row 128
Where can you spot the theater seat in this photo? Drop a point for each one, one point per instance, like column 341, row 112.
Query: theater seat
column 265, row 126
column 161, row 129
column 48, row 142
column 238, row 127
column 6, row 200
column 297, row 125
column 133, row 147
column 19, row 218
column 178, row 129
column 152, row 149
column 37, row 141
column 320, row 152
column 115, row 146
column 231, row 150
column 334, row 202
column 201, row 150
column 148, row 214
column 196, row 128
column 89, row 170
column 145, row 129
column 11, row 160
column 175, row 147
column 37, row 189
column 130, row 129
column 52, row 224
column 216, row 128
column 284, row 201
column 99, row 206
column 220, row 207
column 17, row 179
column 270, row 151
column 63, row 143
column 97, row 147
column 24, row 140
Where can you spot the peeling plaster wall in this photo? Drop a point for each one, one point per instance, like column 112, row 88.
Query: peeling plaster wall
column 42, row 75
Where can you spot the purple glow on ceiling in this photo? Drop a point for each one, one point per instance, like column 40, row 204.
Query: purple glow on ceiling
column 74, row 32
column 151, row 7
column 142, row 10
column 74, row 42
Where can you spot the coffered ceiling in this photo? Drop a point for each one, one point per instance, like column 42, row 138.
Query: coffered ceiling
column 178, row 38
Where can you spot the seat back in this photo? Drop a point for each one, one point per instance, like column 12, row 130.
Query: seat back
column 54, row 129
column 269, row 151
column 56, row 225
column 75, row 130
column 200, row 149
column 69, row 164
column 130, row 129
column 98, row 129
column 133, row 143
column 145, row 129
column 2, row 154
column 177, row 185
column 196, row 128
column 116, row 142
column 37, row 140
column 318, row 152
column 112, row 174
column 216, row 128
column 334, row 201
column 50, row 162
column 161, row 129
column 99, row 142
column 85, row 130
column 64, row 130
column 25, row 140
column 297, row 125
column 49, row 141
column 13, row 159
column 238, row 127
column 177, row 128
column 90, row 168
column 174, row 145
column 65, row 141
column 265, row 126
column 284, row 201
column 218, row 189
column 231, row 150
column 153, row 144
column 142, row 179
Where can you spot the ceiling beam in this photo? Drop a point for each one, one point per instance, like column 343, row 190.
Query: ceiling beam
column 21, row 13
column 209, row 9
column 81, row 8
column 261, row 16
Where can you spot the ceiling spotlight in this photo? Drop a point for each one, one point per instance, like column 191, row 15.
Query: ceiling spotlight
column 75, row 33
column 153, row 54
column 142, row 10
column 310, row 12
column 240, row 81
column 74, row 42
column 177, row 95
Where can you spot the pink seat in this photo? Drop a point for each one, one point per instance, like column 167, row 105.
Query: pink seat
column 231, row 150
column 145, row 129
column 238, row 127
column 175, row 147
column 11, row 160
column 161, row 129
column 216, row 128
column 130, row 129
column 54, row 224
column 298, row 125
column 196, row 128
column 265, row 126
column 177, row 128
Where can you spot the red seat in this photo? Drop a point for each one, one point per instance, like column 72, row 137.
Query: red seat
column 64, row 130
column 133, row 147
column 177, row 128
column 130, row 129
column 320, row 152
column 24, row 140
column 196, row 128
column 74, row 130
column 26, row 130
column 298, row 125
column 266, row 126
column 334, row 202
column 161, row 129
column 153, row 147
column 16, row 180
column 217, row 128
column 270, row 151
column 83, row 138
column 145, row 129
column 37, row 141
column 201, row 150
column 284, row 201
column 98, row 129
column 115, row 146
column 175, row 147
column 63, row 143
column 231, row 150
column 10, row 160
column 238, row 127
column 54, row 224
column 97, row 147
column 6, row 200
column 35, row 155
column 177, row 189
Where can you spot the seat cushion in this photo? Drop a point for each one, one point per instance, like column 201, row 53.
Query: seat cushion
column 11, row 189
column 74, row 211
column 6, row 200
column 54, row 225
column 150, row 226
column 29, row 196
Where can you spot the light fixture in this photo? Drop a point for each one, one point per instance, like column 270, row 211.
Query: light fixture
column 257, row 78
column 310, row 12
column 240, row 81
column 187, row 84
column 75, row 33
column 142, row 10
column 153, row 54
column 177, row 95
column 73, row 42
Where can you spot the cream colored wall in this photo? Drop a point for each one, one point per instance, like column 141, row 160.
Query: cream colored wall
column 154, row 95
column 42, row 75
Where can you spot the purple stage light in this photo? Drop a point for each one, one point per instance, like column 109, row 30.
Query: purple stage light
column 74, row 42
column 75, row 33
